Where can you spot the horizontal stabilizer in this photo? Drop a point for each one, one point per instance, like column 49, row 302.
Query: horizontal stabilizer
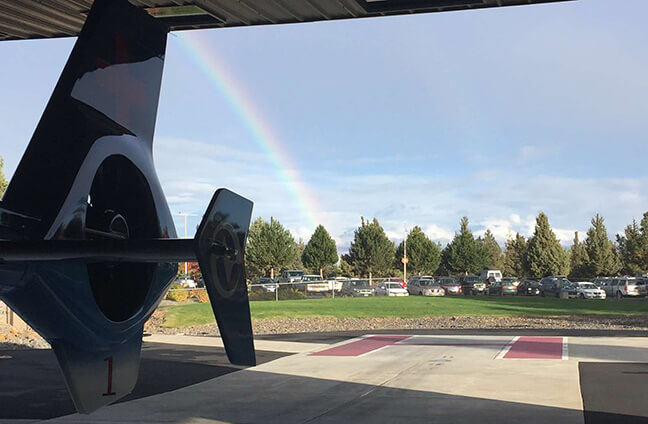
column 226, row 224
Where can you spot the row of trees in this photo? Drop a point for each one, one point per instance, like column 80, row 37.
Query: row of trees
column 271, row 248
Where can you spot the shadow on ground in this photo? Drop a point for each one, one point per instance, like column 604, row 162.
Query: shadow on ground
column 253, row 396
column 32, row 386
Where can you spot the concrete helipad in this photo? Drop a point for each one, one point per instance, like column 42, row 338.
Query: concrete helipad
column 410, row 378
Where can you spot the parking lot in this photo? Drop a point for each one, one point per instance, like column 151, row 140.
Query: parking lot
column 410, row 376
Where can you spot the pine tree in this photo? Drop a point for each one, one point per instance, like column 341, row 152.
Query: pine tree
column 602, row 258
column 515, row 257
column 424, row 254
column 633, row 249
column 320, row 252
column 493, row 250
column 578, row 258
column 545, row 255
column 3, row 181
column 464, row 254
column 270, row 248
column 297, row 263
column 371, row 251
column 346, row 270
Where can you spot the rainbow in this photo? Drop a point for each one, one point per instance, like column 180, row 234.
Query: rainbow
column 223, row 80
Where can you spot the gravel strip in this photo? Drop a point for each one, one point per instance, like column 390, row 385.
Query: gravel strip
column 308, row 325
column 12, row 340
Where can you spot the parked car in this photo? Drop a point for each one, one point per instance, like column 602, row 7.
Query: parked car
column 315, row 284
column 357, row 288
column 450, row 285
column 264, row 284
column 602, row 283
column 471, row 284
column 587, row 290
column 568, row 290
column 552, row 285
column 390, row 289
column 291, row 276
column 414, row 286
column 186, row 282
column 335, row 283
column 621, row 287
column 425, row 287
column 486, row 273
column 528, row 288
column 503, row 288
column 513, row 280
column 397, row 280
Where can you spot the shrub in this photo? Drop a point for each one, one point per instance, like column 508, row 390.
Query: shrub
column 285, row 293
column 261, row 295
column 200, row 295
column 289, row 293
column 177, row 295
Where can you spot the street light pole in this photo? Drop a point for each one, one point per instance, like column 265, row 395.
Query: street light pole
column 405, row 259
column 185, row 235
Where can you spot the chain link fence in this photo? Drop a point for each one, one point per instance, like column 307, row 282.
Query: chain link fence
column 307, row 289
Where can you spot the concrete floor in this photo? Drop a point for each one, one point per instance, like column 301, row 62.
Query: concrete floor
column 416, row 379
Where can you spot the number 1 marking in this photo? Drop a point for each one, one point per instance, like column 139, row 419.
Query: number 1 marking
column 109, row 391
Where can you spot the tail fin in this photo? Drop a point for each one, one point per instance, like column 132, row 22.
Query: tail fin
column 225, row 226
column 104, row 106
column 110, row 86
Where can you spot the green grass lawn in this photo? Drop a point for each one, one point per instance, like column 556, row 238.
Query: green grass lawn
column 411, row 307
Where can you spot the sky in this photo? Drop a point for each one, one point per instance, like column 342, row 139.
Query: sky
column 496, row 114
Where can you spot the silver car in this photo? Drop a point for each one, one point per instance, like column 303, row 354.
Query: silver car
column 425, row 287
column 587, row 290
column 390, row 289
column 620, row 287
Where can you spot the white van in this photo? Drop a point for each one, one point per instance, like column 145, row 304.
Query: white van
column 487, row 273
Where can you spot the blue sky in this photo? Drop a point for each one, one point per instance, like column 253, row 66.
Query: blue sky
column 495, row 114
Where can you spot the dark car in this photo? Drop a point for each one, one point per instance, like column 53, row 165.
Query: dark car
column 450, row 285
column 513, row 280
column 263, row 284
column 529, row 288
column 471, row 284
column 552, row 285
column 503, row 288
column 568, row 290
column 357, row 288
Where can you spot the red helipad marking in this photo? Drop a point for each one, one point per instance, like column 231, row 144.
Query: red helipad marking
column 536, row 348
column 371, row 343
column 362, row 346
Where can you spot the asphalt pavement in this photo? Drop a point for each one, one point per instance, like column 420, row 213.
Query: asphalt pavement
column 429, row 376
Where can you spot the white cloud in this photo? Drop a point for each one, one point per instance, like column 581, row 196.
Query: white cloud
column 439, row 234
column 505, row 204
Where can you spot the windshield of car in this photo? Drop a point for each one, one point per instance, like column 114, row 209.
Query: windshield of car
column 426, row 282
column 393, row 286
column 362, row 283
column 295, row 273
column 311, row 278
column 586, row 286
